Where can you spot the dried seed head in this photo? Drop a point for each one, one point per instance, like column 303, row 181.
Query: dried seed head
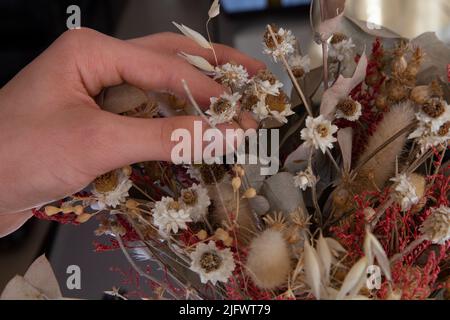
column 221, row 235
column 221, row 105
column 174, row 205
column 419, row 182
column 249, row 193
column 78, row 210
column 420, row 94
column 83, row 218
column 341, row 198
column 51, row 210
column 298, row 72
column 397, row 92
column 348, row 107
column 127, row 170
column 444, row 129
column 277, row 103
column 322, row 130
column 210, row 261
column 106, row 182
column 434, row 108
column 249, row 100
column 381, row 103
column 266, row 75
column 66, row 210
column 338, row 37
column 268, row 40
column 202, row 235
column 436, row 89
column 189, row 197
column 131, row 204
column 236, row 183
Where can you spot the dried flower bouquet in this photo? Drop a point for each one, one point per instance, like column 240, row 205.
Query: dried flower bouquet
column 363, row 186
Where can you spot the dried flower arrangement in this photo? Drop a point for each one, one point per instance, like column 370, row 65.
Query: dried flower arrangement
column 364, row 183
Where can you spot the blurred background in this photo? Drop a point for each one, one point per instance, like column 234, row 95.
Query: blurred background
column 27, row 27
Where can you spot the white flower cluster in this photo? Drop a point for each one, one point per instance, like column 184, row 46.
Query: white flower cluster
column 171, row 215
column 110, row 190
column 286, row 44
column 232, row 75
column 319, row 133
column 305, row 179
column 342, row 50
column 437, row 226
column 224, row 108
column 405, row 192
column 432, row 130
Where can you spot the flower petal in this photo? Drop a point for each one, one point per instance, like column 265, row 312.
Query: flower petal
column 194, row 35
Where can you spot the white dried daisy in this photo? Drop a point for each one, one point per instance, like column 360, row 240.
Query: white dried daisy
column 195, row 201
column 110, row 189
column 437, row 226
column 211, row 263
column 405, row 192
column 169, row 216
column 261, row 110
column 349, row 109
column 427, row 139
column 281, row 116
column 300, row 65
column 341, row 48
column 263, row 87
column 319, row 133
column 224, row 108
column 305, row 179
column 434, row 114
column 286, row 43
column 232, row 75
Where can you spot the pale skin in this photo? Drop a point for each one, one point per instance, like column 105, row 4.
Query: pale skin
column 55, row 139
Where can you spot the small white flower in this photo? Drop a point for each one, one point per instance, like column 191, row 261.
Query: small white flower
column 434, row 123
column 223, row 109
column 195, row 201
column 349, row 109
column 305, row 179
column 235, row 76
column 169, row 216
column 319, row 133
column 261, row 110
column 265, row 87
column 282, row 116
column 110, row 190
column 341, row 51
column 193, row 172
column 300, row 62
column 286, row 44
column 405, row 192
column 437, row 226
column 211, row 263
column 427, row 139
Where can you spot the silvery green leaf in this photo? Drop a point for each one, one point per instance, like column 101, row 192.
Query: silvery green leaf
column 282, row 193
column 194, row 35
column 260, row 205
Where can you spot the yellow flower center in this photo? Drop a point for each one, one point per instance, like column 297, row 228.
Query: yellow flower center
column 106, row 182
column 210, row 261
column 322, row 130
column 189, row 197
column 277, row 103
column 348, row 107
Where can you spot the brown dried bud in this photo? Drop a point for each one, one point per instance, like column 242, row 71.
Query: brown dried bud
column 338, row 37
column 434, row 108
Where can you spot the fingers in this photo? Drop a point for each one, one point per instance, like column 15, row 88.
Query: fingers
column 109, row 62
column 10, row 222
column 174, row 43
column 131, row 140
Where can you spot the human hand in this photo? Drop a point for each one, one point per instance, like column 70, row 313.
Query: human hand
column 55, row 139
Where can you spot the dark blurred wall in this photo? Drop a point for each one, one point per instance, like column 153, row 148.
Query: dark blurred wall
column 27, row 27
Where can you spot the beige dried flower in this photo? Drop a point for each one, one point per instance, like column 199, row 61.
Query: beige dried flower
column 269, row 262
column 437, row 226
